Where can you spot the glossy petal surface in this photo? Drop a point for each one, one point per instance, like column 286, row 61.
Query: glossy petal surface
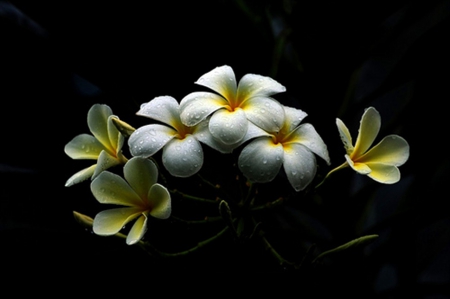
column 300, row 165
column 149, row 139
column 392, row 150
column 141, row 174
column 138, row 230
column 159, row 198
column 228, row 127
column 368, row 131
column 183, row 157
column 111, row 221
column 83, row 146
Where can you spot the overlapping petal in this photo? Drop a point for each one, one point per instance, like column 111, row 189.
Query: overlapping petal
column 83, row 146
column 160, row 202
column 164, row 109
column 110, row 222
column 384, row 173
column 141, row 175
column 138, row 230
column 196, row 106
column 368, row 130
column 307, row 135
column 392, row 150
column 252, row 85
column 183, row 157
column 299, row 165
column 229, row 127
column 221, row 79
column 264, row 112
column 149, row 139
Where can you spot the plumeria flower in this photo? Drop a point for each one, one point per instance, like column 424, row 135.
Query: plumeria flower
column 182, row 152
column 233, row 106
column 293, row 147
column 138, row 192
column 104, row 145
column 381, row 161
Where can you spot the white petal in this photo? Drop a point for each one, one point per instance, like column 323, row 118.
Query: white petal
column 345, row 136
column 164, row 109
column 81, row 176
column 292, row 118
column 109, row 188
column 299, row 165
column 260, row 161
column 159, row 198
column 306, row 135
column 202, row 134
column 196, row 106
column 98, row 124
column 264, row 112
column 141, row 174
column 110, row 222
column 393, row 150
column 137, row 231
column 228, row 127
column 84, row 146
column 183, row 157
column 252, row 85
column 149, row 139
column 105, row 161
column 368, row 131
column 221, row 79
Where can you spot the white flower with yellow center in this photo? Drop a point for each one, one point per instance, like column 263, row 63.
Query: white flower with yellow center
column 139, row 193
column 293, row 147
column 381, row 161
column 233, row 106
column 104, row 145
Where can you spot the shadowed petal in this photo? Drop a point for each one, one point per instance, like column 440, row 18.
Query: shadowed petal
column 81, row 176
column 392, row 150
column 361, row 168
column 383, row 173
column 292, row 118
column 105, row 161
column 368, row 131
column 196, row 106
column 110, row 188
column 345, row 136
column 160, row 201
column 183, row 157
column 260, row 161
column 307, row 135
column 221, row 79
column 264, row 112
column 229, row 127
column 300, row 165
column 141, row 174
column 84, row 146
column 110, row 222
column 138, row 230
column 98, row 124
column 149, row 139
column 252, row 85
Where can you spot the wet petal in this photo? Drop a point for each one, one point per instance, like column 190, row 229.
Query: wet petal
column 109, row 188
column 160, row 201
column 147, row 140
column 137, row 231
column 368, row 131
column 229, row 127
column 98, row 124
column 183, row 157
column 252, row 85
column 196, row 106
column 260, row 161
column 110, row 222
column 221, row 79
column 81, row 176
column 292, row 118
column 383, row 173
column 264, row 112
column 141, row 174
column 115, row 137
column 361, row 168
column 393, row 150
column 300, row 165
column 345, row 136
column 105, row 161
column 84, row 146
column 307, row 135
column 164, row 109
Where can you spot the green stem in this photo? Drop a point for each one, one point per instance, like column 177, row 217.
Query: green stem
column 342, row 166
column 191, row 197
column 268, row 205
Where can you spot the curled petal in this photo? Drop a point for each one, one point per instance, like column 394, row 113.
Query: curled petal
column 306, row 134
column 260, row 161
column 110, row 222
column 84, row 146
column 109, row 188
column 264, row 112
column 147, row 140
column 160, row 201
column 81, row 176
column 116, row 138
column 221, row 79
column 137, row 231
column 105, row 161
column 164, row 109
column 98, row 117
column 252, row 85
column 393, row 150
column 196, row 106
column 183, row 157
column 383, row 173
column 229, row 127
column 361, row 168
column 345, row 136
column 368, row 131
column 300, row 165
column 141, row 174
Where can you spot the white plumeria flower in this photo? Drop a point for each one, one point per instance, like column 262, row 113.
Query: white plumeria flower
column 104, row 145
column 293, row 147
column 139, row 192
column 234, row 106
column 182, row 152
column 381, row 161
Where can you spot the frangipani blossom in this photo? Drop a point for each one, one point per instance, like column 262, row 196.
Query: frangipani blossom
column 381, row 161
column 182, row 152
column 104, row 145
column 234, row 105
column 293, row 147
column 139, row 193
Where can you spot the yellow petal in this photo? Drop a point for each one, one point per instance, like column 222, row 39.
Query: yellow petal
column 345, row 136
column 383, row 173
column 368, row 131
column 138, row 230
column 81, row 176
column 110, row 222
column 159, row 198
column 361, row 168
column 393, row 150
